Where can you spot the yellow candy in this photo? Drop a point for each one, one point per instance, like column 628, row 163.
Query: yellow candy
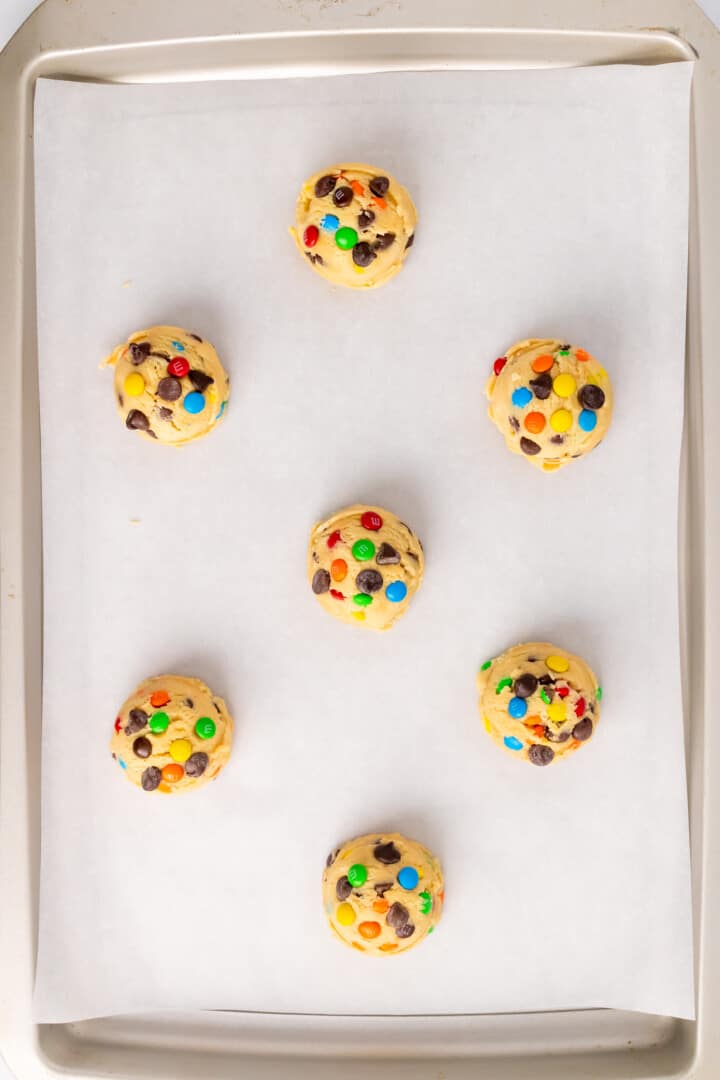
column 180, row 750
column 564, row 385
column 487, row 725
column 134, row 384
column 345, row 915
column 557, row 663
column 359, row 615
column 550, row 466
column 556, row 711
column 561, row 420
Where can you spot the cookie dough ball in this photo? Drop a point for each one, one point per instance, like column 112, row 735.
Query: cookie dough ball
column 364, row 565
column 539, row 702
column 382, row 893
column 169, row 385
column 172, row 735
column 355, row 225
column 551, row 401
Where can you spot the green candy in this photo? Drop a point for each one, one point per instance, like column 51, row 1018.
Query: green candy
column 426, row 906
column 205, row 728
column 363, row 550
column 544, row 696
column 357, row 875
column 430, row 929
column 346, row 238
column 158, row 722
column 486, row 665
column 362, row 599
column 563, row 352
column 598, row 693
column 502, row 684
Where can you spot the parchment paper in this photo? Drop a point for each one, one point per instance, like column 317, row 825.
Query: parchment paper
column 550, row 203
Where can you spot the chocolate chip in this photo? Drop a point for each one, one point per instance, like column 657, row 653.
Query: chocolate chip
column 565, row 348
column 196, row 764
column 196, row 336
column 324, row 186
column 137, row 720
column 532, row 659
column 542, row 386
column 316, row 557
column 379, row 186
column 114, row 757
column 387, row 853
column 387, row 555
column 151, row 433
column 406, row 930
column 169, row 388
column 142, row 747
column 121, row 401
column 332, row 857
column 190, row 704
column 397, row 916
column 545, row 680
column 200, row 380
column 540, row 755
column 583, row 730
column 382, row 887
column 369, row 581
column 591, row 396
column 528, row 446
column 217, row 707
column 410, row 241
column 413, row 555
column 320, row 582
column 514, row 423
column 549, row 693
column 557, row 439
column 343, row 196
column 139, row 351
column 363, row 254
column 319, row 259
column 525, row 685
column 151, row 778
column 556, row 736
column 163, row 413
column 343, row 888
column 365, row 219
column 384, row 240
column 137, row 420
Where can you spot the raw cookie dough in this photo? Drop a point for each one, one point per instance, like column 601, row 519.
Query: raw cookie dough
column 552, row 401
column 539, row 702
column 169, row 384
column 364, row 565
column 355, row 224
column 382, row 893
column 172, row 735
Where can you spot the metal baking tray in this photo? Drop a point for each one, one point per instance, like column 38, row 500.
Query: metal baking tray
column 164, row 40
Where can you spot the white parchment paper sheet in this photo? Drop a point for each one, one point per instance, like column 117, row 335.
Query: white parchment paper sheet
column 550, row 203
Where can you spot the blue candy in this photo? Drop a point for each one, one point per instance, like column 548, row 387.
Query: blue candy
column 517, row 707
column 222, row 410
column 122, row 763
column 194, row 402
column 178, row 345
column 512, row 743
column 587, row 420
column 396, row 591
column 408, row 878
column 521, row 397
column 329, row 222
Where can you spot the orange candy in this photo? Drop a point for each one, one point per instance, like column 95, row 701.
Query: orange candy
column 379, row 201
column 159, row 698
column 542, row 363
column 369, row 930
column 356, row 946
column 387, row 948
column 380, row 906
column 582, row 355
column 172, row 773
column 357, row 187
column 535, row 422
column 338, row 569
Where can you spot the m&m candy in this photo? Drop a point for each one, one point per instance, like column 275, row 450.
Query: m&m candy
column 521, row 397
column 310, row 236
column 396, row 591
column 408, row 878
column 194, row 403
column 178, row 367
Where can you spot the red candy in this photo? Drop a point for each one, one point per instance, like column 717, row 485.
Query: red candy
column 178, row 367
column 118, row 723
column 562, row 691
column 336, row 594
column 499, row 364
column 310, row 236
column 333, row 539
column 372, row 521
column 580, row 707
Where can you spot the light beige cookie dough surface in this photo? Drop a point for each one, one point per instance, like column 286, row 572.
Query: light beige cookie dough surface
column 169, row 385
column 172, row 734
column 354, row 224
column 364, row 566
column 382, row 893
column 538, row 702
column 551, row 401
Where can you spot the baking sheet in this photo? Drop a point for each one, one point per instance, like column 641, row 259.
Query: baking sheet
column 549, row 202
